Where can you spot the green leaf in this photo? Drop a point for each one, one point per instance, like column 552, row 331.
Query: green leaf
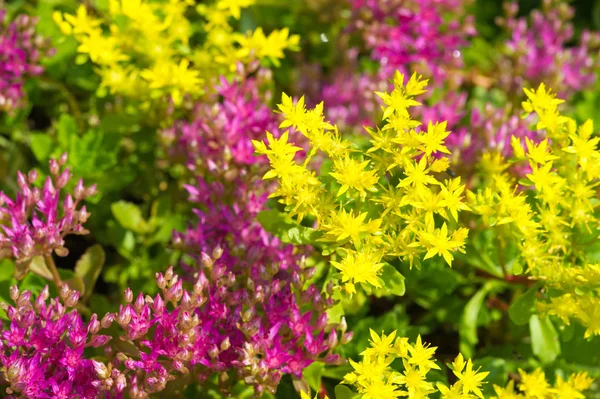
column 343, row 392
column 337, row 372
column 312, row 374
column 41, row 146
column 523, row 307
column 468, row 322
column 544, row 339
column 88, row 268
column 39, row 267
column 335, row 313
column 67, row 130
column 129, row 216
column 394, row 281
column 286, row 229
column 7, row 268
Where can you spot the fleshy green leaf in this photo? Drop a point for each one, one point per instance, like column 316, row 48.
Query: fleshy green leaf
column 129, row 216
column 41, row 146
column 343, row 392
column 312, row 374
column 88, row 268
column 523, row 307
column 286, row 229
column 544, row 339
column 468, row 322
column 394, row 281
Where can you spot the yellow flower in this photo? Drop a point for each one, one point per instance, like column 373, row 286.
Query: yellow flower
column 234, row 7
column 433, row 139
column 540, row 99
column 534, row 385
column 470, row 379
column 380, row 346
column 420, row 355
column 344, row 225
column 360, row 267
column 294, row 114
column 102, row 50
column 351, row 173
column 79, row 24
column 539, row 153
column 506, row 393
column 452, row 197
column 454, row 392
column 415, row 381
column 417, row 175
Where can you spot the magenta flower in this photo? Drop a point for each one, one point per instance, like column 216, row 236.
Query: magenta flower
column 20, row 53
column 42, row 350
column 539, row 50
column 258, row 321
column 36, row 221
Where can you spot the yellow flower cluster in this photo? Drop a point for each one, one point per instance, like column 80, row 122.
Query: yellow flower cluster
column 383, row 201
column 374, row 378
column 553, row 210
column 534, row 385
column 142, row 49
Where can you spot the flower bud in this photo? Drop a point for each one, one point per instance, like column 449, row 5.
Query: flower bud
column 128, row 295
column 100, row 369
column 14, row 292
column 217, row 252
column 54, row 167
column 63, row 159
column 107, row 320
column 72, row 299
column 225, row 344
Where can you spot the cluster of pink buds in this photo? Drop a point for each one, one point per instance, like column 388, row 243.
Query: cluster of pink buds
column 36, row 221
column 20, row 52
column 42, row 349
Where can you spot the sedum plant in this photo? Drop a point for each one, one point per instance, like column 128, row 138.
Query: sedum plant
column 374, row 203
column 143, row 50
column 376, row 377
column 550, row 215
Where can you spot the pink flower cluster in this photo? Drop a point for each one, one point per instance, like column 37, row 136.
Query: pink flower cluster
column 413, row 35
column 539, row 50
column 20, row 53
column 36, row 221
column 256, row 299
column 42, row 350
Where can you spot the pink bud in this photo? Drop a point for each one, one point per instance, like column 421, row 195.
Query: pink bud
column 72, row 299
column 54, row 167
column 21, row 180
column 32, row 176
column 107, row 320
column 128, row 295
column 79, row 190
column 91, row 191
column 161, row 282
column 139, row 303
column 169, row 273
column 99, row 340
column 124, row 315
column 217, row 252
column 94, row 324
column 14, row 292
column 100, row 369
column 63, row 179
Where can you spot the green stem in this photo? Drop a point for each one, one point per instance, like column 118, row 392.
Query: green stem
column 54, row 270
column 71, row 100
